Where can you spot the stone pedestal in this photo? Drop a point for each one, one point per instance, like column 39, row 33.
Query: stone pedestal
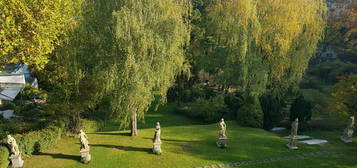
column 157, row 148
column 346, row 139
column 222, row 142
column 347, row 136
column 291, row 147
column 292, row 143
column 348, row 132
column 16, row 161
column 85, row 157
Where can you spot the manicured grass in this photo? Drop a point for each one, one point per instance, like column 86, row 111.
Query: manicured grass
column 188, row 144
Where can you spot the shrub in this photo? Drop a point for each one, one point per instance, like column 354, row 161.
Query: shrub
column 301, row 108
column 3, row 133
column 30, row 93
column 7, row 105
column 4, row 156
column 92, row 125
column 272, row 109
column 30, row 110
column 250, row 113
column 234, row 101
column 179, row 93
column 328, row 72
column 344, row 98
column 210, row 110
column 316, row 97
column 16, row 126
column 36, row 141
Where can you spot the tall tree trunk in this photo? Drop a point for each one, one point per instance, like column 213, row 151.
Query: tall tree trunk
column 134, row 126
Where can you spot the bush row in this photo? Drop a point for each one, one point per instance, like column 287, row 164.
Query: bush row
column 4, row 155
column 210, row 110
column 264, row 111
column 37, row 141
column 34, row 141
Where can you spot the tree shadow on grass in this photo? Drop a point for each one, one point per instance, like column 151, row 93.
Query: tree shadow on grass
column 124, row 148
column 60, row 156
column 112, row 133
column 173, row 140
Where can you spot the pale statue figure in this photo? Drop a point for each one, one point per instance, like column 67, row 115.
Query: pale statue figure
column 85, row 156
column 293, row 135
column 157, row 133
column 348, row 132
column 84, row 141
column 15, row 157
column 222, row 130
column 157, row 140
column 222, row 137
column 13, row 145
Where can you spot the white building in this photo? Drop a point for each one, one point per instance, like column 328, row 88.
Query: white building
column 12, row 80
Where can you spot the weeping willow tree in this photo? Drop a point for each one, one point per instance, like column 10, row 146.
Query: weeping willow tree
column 152, row 35
column 234, row 29
column 290, row 34
column 120, row 54
column 259, row 46
column 77, row 70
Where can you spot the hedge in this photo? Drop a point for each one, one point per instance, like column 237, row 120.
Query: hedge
column 34, row 141
column 40, row 140
column 4, row 155
column 211, row 110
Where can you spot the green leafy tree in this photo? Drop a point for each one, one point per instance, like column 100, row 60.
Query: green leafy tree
column 120, row 54
column 256, row 47
column 152, row 35
column 344, row 99
column 29, row 31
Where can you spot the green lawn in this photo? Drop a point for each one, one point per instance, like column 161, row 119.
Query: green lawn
column 188, row 144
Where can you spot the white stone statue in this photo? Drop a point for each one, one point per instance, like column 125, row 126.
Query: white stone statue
column 157, row 140
column 222, row 137
column 85, row 155
column 293, row 136
column 15, row 156
column 223, row 128
column 348, row 132
column 157, row 133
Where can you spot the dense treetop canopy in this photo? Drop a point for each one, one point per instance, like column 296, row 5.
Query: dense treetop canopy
column 112, row 59
column 122, row 54
column 30, row 31
column 259, row 45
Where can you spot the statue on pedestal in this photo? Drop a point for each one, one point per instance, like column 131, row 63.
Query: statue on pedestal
column 222, row 138
column 348, row 132
column 157, row 141
column 85, row 156
column 293, row 136
column 15, row 156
